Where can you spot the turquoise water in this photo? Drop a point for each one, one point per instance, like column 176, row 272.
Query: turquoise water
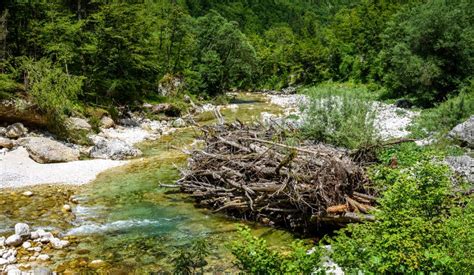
column 127, row 220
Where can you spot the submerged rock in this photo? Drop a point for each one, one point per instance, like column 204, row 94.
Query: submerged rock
column 464, row 132
column 16, row 130
column 115, row 149
column 45, row 150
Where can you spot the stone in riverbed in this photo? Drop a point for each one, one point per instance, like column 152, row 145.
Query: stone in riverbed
column 3, row 131
column 6, row 143
column 43, row 257
column 113, row 149
column 96, row 264
column 106, row 122
column 14, row 240
column 22, row 230
column 27, row 193
column 66, row 208
column 77, row 123
column 58, row 244
column 3, row 261
column 179, row 123
column 45, row 150
column 16, row 130
column 2, row 243
column 26, row 245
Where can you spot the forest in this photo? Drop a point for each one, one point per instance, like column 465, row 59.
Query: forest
column 87, row 58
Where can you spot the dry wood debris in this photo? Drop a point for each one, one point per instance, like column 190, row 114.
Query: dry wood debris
column 253, row 173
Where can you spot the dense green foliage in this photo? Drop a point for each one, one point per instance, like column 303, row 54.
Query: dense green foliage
column 256, row 257
column 417, row 49
column 446, row 115
column 420, row 226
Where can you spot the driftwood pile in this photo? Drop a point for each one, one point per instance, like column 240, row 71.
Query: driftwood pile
column 251, row 173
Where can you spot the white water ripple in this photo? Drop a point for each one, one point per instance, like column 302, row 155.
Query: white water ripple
column 93, row 228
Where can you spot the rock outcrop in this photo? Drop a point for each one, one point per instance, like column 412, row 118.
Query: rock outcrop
column 45, row 150
column 464, row 132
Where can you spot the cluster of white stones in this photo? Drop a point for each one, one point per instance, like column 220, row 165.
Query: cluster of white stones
column 31, row 241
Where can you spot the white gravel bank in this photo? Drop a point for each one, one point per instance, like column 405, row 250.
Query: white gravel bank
column 18, row 170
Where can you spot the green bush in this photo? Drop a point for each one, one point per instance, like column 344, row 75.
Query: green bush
column 340, row 115
column 54, row 91
column 254, row 256
column 446, row 115
column 418, row 227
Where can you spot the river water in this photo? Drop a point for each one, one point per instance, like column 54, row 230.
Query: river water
column 126, row 220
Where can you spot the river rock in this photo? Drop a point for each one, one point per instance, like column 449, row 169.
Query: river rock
column 43, row 257
column 115, row 149
column 16, row 130
column 77, row 123
column 22, row 229
column 464, row 132
column 463, row 166
column 66, row 208
column 58, row 244
column 27, row 193
column 26, row 245
column 3, row 131
column 2, row 243
column 3, row 262
column 106, row 122
column 179, row 123
column 14, row 240
column 6, row 143
column 45, row 150
column 96, row 264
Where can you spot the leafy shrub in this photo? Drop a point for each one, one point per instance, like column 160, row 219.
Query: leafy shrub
column 254, row 256
column 340, row 115
column 54, row 91
column 446, row 115
column 418, row 228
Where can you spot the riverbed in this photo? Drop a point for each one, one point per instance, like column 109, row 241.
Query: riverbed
column 125, row 219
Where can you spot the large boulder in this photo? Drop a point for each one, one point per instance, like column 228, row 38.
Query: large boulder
column 45, row 150
column 167, row 109
column 16, row 130
column 76, row 123
column 6, row 143
column 171, row 85
column 115, row 149
column 464, row 132
column 463, row 166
